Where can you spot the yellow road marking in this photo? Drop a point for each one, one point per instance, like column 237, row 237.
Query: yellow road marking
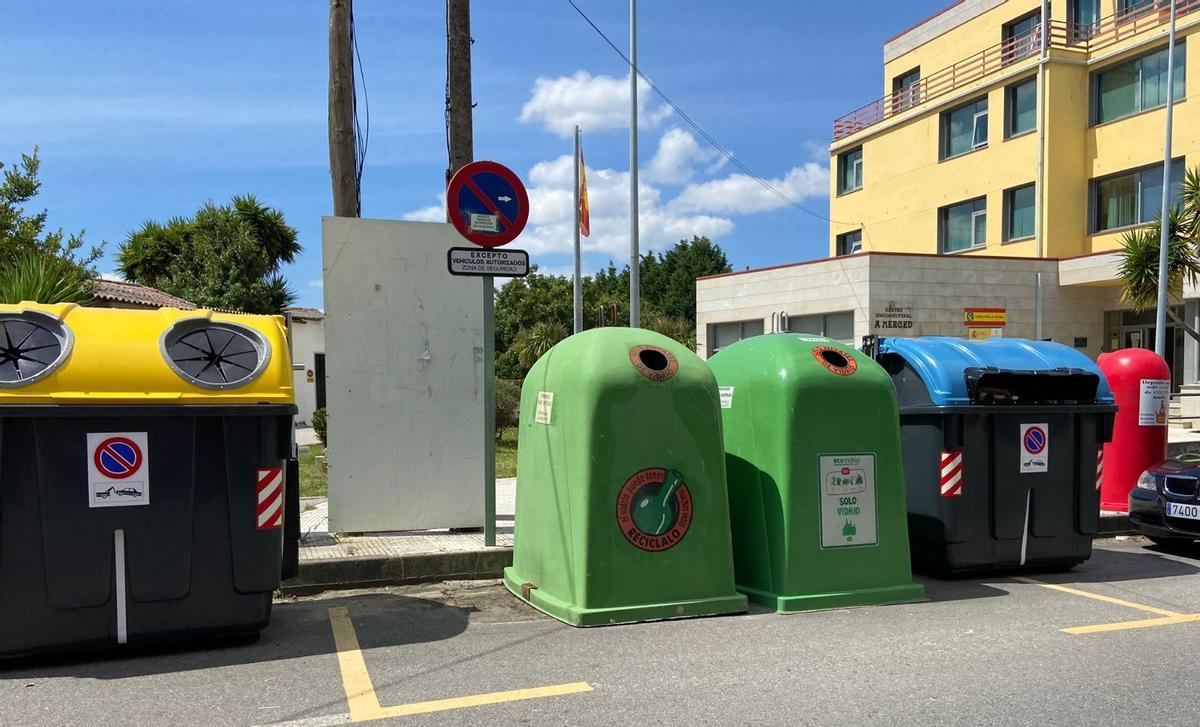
column 1126, row 625
column 364, row 703
column 1167, row 618
column 1098, row 597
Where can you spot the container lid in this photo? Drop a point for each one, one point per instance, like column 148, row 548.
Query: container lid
column 957, row 371
column 65, row 354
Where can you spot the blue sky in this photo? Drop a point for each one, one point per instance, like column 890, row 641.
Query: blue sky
column 145, row 110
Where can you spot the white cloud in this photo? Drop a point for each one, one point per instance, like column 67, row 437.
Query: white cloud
column 594, row 103
column 677, row 156
column 742, row 194
column 319, row 284
column 115, row 277
column 432, row 213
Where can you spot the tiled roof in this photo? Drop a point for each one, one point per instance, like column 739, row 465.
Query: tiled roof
column 309, row 313
column 134, row 294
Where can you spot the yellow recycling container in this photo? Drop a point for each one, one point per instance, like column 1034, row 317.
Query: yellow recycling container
column 145, row 462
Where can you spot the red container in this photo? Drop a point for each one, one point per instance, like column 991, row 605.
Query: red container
column 1141, row 383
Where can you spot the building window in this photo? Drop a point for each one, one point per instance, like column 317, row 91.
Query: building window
column 721, row 335
column 1137, row 85
column 1020, row 107
column 1132, row 198
column 1084, row 17
column 1130, row 9
column 906, row 90
column 1018, row 213
column 850, row 171
column 965, row 128
column 838, row 326
column 963, row 226
column 1021, row 39
column 849, row 243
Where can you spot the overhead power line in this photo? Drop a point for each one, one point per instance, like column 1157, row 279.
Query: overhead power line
column 704, row 134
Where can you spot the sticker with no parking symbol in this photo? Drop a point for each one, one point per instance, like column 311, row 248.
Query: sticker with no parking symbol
column 118, row 465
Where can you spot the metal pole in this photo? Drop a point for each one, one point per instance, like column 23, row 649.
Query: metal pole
column 1040, row 185
column 1164, row 240
column 635, row 269
column 578, row 279
column 489, row 412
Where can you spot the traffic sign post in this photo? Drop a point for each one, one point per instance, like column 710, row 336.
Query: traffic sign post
column 487, row 203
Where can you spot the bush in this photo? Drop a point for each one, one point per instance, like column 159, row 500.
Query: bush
column 508, row 405
column 319, row 422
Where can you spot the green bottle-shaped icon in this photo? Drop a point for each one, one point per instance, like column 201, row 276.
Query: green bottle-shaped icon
column 655, row 514
column 849, row 530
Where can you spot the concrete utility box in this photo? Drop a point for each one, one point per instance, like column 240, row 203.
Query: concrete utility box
column 621, row 499
column 816, row 483
column 404, row 345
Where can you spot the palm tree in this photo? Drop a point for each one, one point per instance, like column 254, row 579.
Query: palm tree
column 1138, row 269
column 533, row 342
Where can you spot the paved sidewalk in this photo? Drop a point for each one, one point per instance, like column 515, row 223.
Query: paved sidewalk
column 340, row 560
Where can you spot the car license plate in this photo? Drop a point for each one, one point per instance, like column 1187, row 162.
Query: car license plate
column 1191, row 512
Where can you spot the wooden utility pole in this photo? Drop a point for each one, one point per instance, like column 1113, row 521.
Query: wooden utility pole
column 343, row 165
column 459, row 105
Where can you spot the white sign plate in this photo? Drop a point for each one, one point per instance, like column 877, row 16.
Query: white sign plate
column 848, row 500
column 545, row 407
column 483, row 261
column 726, row 397
column 484, row 223
column 1152, row 403
column 1035, row 448
column 118, row 466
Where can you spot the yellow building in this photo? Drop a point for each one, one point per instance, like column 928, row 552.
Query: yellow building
column 957, row 193
column 949, row 160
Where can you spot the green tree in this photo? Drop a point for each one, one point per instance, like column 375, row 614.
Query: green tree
column 225, row 256
column 522, row 303
column 680, row 329
column 32, row 255
column 1138, row 266
column 669, row 281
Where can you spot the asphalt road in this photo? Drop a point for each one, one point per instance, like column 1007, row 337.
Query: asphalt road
column 985, row 651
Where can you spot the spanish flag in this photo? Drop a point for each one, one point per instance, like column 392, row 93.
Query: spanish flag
column 585, row 219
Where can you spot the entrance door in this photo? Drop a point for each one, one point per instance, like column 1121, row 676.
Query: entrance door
column 319, row 371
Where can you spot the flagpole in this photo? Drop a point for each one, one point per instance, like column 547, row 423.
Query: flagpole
column 578, row 280
column 635, row 306
column 1164, row 224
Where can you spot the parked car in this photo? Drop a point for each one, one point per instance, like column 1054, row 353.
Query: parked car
column 1165, row 505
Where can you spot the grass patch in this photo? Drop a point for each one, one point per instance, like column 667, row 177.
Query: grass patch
column 313, row 481
column 506, row 453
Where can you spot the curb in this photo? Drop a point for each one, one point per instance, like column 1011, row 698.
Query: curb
column 333, row 574
column 1112, row 523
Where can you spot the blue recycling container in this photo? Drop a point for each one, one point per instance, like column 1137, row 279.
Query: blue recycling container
column 1002, row 443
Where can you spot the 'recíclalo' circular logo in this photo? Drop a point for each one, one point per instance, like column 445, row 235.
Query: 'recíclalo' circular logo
column 654, row 509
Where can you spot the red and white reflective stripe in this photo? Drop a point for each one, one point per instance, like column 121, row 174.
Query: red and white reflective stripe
column 270, row 498
column 952, row 474
column 1099, row 467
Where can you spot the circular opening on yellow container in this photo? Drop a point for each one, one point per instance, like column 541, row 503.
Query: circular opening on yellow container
column 215, row 355
column 33, row 345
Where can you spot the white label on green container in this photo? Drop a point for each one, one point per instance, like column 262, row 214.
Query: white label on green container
column 848, row 500
column 726, row 397
column 545, row 407
column 1152, row 404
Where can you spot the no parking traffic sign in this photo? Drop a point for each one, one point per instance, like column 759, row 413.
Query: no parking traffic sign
column 487, row 204
column 118, row 469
